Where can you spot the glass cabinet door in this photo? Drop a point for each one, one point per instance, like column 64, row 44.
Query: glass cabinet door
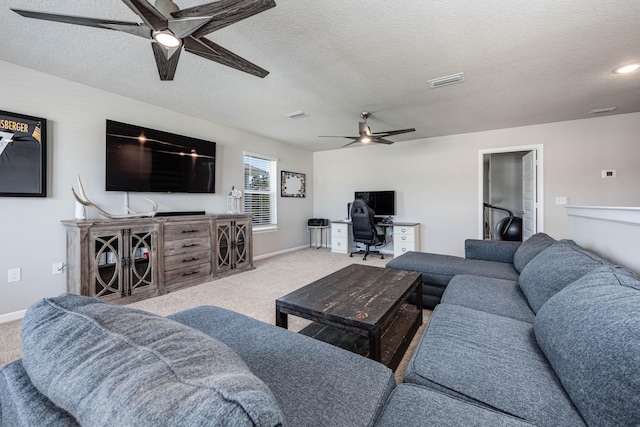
column 108, row 258
column 141, row 273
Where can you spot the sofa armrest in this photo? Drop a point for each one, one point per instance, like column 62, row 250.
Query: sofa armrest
column 491, row 250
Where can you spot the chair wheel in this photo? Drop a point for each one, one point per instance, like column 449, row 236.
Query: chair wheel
column 350, row 255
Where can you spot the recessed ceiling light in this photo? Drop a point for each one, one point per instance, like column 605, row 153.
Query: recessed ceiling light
column 627, row 69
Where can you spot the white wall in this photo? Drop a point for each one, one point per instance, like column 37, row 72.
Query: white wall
column 32, row 237
column 436, row 178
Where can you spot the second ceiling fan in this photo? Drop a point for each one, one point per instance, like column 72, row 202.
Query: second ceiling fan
column 366, row 136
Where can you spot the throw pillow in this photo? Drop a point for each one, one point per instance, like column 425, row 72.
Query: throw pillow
column 111, row 365
column 589, row 332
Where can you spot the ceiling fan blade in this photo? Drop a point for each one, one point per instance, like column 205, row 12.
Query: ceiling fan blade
column 149, row 14
column 166, row 66
column 352, row 142
column 224, row 12
column 382, row 141
column 338, row 136
column 209, row 50
column 107, row 24
column 394, row 132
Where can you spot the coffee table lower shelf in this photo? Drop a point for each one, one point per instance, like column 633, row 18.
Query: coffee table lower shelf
column 395, row 339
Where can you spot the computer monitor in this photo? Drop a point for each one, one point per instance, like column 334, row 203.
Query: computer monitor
column 383, row 203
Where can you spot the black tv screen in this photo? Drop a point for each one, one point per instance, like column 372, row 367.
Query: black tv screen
column 148, row 160
column 383, row 203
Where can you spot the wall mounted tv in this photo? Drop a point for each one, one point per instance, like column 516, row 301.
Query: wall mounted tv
column 383, row 203
column 147, row 160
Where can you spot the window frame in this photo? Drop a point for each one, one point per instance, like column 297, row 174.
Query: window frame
column 259, row 225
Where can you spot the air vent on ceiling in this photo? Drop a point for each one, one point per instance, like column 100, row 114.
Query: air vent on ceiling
column 602, row 110
column 446, row 80
column 296, row 115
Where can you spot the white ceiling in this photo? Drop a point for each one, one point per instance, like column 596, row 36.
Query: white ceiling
column 525, row 62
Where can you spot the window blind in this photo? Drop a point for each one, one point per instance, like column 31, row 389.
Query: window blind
column 260, row 189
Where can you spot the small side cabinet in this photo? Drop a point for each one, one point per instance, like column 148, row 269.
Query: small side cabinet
column 341, row 237
column 406, row 237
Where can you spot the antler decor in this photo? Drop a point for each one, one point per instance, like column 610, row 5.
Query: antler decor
column 84, row 200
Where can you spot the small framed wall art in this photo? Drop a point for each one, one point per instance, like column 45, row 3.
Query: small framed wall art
column 292, row 184
column 23, row 155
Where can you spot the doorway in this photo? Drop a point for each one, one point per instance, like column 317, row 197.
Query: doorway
column 510, row 185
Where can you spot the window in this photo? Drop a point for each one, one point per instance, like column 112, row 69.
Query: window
column 260, row 186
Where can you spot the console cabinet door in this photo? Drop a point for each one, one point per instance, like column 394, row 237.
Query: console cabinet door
column 122, row 263
column 233, row 244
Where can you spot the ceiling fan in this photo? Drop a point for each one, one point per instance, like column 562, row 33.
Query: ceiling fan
column 366, row 136
column 170, row 29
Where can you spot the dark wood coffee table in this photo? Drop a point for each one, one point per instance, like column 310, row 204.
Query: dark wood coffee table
column 360, row 305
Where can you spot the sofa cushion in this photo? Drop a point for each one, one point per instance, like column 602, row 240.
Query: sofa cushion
column 554, row 268
column 413, row 405
column 112, row 365
column 21, row 404
column 530, row 248
column 439, row 269
column 497, row 296
column 317, row 384
column 493, row 361
column 590, row 332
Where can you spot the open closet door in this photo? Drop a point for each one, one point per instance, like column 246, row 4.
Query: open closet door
column 529, row 205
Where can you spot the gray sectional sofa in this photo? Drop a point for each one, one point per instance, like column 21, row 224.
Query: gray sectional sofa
column 557, row 345
column 87, row 362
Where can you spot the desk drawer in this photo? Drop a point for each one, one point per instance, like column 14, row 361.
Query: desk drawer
column 401, row 230
column 340, row 244
column 401, row 247
column 403, row 238
column 340, row 230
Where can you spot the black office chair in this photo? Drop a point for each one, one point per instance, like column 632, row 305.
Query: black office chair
column 364, row 229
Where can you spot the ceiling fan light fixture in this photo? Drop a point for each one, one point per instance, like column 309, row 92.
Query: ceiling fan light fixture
column 627, row 69
column 167, row 39
column 365, row 139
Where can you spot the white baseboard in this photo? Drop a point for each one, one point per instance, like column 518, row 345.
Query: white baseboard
column 279, row 252
column 9, row 317
column 17, row 315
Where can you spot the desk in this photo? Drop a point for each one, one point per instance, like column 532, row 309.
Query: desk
column 405, row 237
column 318, row 230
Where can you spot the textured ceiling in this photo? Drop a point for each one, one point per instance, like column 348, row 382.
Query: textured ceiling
column 525, row 62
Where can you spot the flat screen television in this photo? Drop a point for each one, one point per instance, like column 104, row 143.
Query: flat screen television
column 383, row 203
column 147, row 160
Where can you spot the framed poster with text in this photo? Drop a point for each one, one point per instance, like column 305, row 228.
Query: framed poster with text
column 23, row 155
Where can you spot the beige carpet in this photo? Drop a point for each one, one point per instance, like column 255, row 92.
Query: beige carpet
column 252, row 293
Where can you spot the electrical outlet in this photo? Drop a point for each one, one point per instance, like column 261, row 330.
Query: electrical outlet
column 15, row 275
column 57, row 268
column 611, row 173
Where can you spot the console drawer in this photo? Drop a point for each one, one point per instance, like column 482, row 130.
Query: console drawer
column 187, row 273
column 187, row 231
column 188, row 259
column 177, row 247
